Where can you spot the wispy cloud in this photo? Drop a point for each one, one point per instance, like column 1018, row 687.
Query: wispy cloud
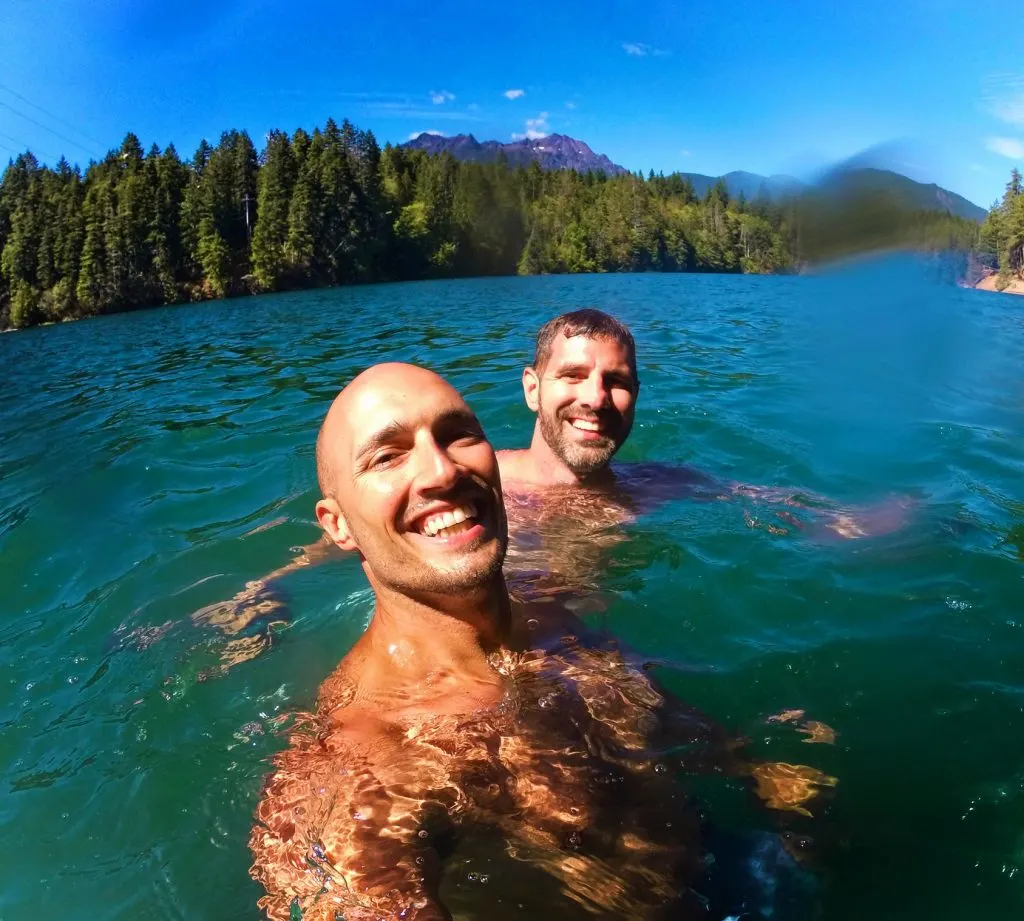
column 473, row 107
column 1006, row 147
column 514, row 94
column 440, row 97
column 1004, row 97
column 640, row 50
column 684, row 153
column 536, row 128
column 415, row 134
column 977, row 168
column 570, row 105
column 409, row 109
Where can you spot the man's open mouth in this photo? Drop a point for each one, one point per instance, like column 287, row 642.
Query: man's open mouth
column 589, row 429
column 448, row 523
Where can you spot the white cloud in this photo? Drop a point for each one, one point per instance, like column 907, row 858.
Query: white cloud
column 1004, row 97
column 536, row 128
column 473, row 107
column 640, row 50
column 433, row 131
column 570, row 105
column 685, row 153
column 1006, row 147
column 439, row 97
column 514, row 94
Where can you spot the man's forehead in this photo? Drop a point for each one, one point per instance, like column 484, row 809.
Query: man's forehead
column 569, row 349
column 398, row 406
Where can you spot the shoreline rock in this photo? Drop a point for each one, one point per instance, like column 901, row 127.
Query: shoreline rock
column 988, row 283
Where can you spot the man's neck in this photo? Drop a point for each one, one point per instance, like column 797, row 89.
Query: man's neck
column 452, row 635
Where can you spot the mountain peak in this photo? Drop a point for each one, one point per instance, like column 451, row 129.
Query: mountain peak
column 553, row 151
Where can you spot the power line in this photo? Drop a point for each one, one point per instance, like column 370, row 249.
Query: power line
column 56, row 118
column 55, row 133
column 49, row 156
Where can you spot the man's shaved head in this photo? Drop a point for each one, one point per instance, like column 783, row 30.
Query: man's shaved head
column 361, row 393
column 409, row 480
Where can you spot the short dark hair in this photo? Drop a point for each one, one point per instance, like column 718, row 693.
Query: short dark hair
column 594, row 324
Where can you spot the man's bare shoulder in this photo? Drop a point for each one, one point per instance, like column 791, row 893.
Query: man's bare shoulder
column 515, row 466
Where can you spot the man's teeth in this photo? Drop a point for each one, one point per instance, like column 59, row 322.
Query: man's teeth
column 586, row 425
column 444, row 520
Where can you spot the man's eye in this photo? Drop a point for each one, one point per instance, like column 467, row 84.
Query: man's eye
column 384, row 459
column 467, row 437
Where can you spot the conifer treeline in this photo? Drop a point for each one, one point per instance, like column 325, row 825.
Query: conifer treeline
column 141, row 229
column 1001, row 246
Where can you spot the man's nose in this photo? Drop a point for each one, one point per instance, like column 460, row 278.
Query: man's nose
column 593, row 392
column 435, row 468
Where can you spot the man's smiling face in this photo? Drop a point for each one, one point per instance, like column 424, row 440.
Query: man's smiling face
column 585, row 396
column 415, row 483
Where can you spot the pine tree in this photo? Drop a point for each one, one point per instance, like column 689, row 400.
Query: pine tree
column 274, row 192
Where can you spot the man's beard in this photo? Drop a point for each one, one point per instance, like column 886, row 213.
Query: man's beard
column 582, row 459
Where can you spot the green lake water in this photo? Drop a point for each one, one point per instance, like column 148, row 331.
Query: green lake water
column 152, row 463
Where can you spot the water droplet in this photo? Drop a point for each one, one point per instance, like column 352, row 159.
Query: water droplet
column 484, row 878
column 472, row 877
column 574, row 810
column 533, row 623
column 660, row 768
column 30, row 685
column 420, row 860
column 423, row 833
column 318, row 851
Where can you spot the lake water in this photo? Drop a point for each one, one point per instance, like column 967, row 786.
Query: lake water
column 152, row 463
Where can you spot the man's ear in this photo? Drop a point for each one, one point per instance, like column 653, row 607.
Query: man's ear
column 328, row 513
column 531, row 388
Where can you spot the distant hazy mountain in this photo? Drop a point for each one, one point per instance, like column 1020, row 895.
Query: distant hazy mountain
column 917, row 195
column 557, row 151
column 750, row 185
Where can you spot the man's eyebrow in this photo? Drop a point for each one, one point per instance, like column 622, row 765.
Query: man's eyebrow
column 457, row 417
column 381, row 437
column 395, row 429
column 570, row 367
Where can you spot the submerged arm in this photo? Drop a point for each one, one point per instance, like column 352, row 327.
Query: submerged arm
column 822, row 516
column 258, row 599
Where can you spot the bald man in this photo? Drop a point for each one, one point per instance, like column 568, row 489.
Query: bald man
column 460, row 719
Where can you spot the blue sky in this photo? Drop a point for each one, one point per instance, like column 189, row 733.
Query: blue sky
column 702, row 87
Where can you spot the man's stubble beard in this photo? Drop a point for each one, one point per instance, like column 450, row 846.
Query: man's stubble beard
column 408, row 575
column 582, row 461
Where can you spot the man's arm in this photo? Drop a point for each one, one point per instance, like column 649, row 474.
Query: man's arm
column 258, row 599
column 801, row 509
column 332, row 839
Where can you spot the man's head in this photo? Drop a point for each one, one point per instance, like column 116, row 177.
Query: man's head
column 411, row 482
column 583, row 386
